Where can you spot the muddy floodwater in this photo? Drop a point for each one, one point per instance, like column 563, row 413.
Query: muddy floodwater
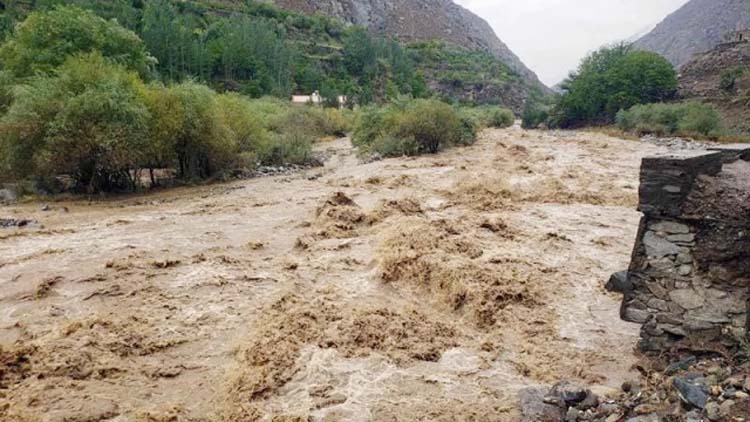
column 431, row 288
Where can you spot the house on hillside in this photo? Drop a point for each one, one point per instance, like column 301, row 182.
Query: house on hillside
column 316, row 99
column 742, row 35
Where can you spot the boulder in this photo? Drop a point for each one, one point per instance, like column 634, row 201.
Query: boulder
column 619, row 282
column 534, row 409
column 569, row 393
column 692, row 394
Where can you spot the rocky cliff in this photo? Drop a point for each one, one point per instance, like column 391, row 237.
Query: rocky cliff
column 696, row 27
column 417, row 20
column 721, row 77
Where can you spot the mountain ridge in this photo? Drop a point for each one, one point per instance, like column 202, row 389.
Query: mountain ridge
column 418, row 20
column 696, row 27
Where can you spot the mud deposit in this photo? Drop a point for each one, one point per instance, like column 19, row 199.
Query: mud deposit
column 433, row 288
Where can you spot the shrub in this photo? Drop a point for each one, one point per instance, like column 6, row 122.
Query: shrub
column 729, row 78
column 612, row 79
column 292, row 147
column 88, row 120
column 203, row 143
column 249, row 137
column 502, row 118
column 46, row 39
column 683, row 119
column 419, row 126
column 488, row 116
column 431, row 123
column 535, row 114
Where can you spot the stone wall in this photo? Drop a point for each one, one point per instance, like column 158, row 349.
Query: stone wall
column 689, row 275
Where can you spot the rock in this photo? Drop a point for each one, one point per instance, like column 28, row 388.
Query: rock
column 8, row 196
column 619, row 282
column 636, row 315
column 672, row 329
column 690, row 393
column 735, row 382
column 670, row 227
column 740, row 395
column 607, row 408
column 534, row 409
column 12, row 222
column 713, row 413
column 725, row 409
column 693, row 416
column 613, row 417
column 681, row 365
column 658, row 247
column 572, row 415
column 685, row 270
column 658, row 304
column 45, row 208
column 746, row 385
column 686, row 298
column 684, row 258
column 628, row 386
column 590, row 402
column 681, row 238
column 569, row 392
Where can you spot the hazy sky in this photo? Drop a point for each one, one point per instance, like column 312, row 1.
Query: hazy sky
column 552, row 36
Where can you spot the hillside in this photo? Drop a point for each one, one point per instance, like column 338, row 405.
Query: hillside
column 721, row 76
column 696, row 27
column 417, row 20
column 304, row 51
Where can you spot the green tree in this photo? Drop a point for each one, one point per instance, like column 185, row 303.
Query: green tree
column 202, row 141
column 86, row 120
column 360, row 55
column 611, row 79
column 46, row 39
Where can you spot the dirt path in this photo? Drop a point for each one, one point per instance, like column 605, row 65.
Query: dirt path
column 432, row 288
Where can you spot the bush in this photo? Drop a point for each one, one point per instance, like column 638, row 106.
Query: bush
column 203, row 143
column 248, row 135
column 683, row 119
column 488, row 116
column 612, row 79
column 416, row 127
column 502, row 118
column 88, row 121
column 535, row 114
column 729, row 78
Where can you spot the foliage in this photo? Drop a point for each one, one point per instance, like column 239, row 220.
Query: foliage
column 729, row 78
column 86, row 120
column 456, row 70
column 682, row 119
column 410, row 128
column 537, row 111
column 488, row 116
column 611, row 79
column 46, row 39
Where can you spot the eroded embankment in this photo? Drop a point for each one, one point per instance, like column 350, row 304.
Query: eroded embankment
column 428, row 288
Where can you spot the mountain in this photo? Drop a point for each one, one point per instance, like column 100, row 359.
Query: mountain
column 418, row 20
column 721, row 77
column 696, row 27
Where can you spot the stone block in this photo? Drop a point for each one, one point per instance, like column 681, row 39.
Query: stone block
column 668, row 179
